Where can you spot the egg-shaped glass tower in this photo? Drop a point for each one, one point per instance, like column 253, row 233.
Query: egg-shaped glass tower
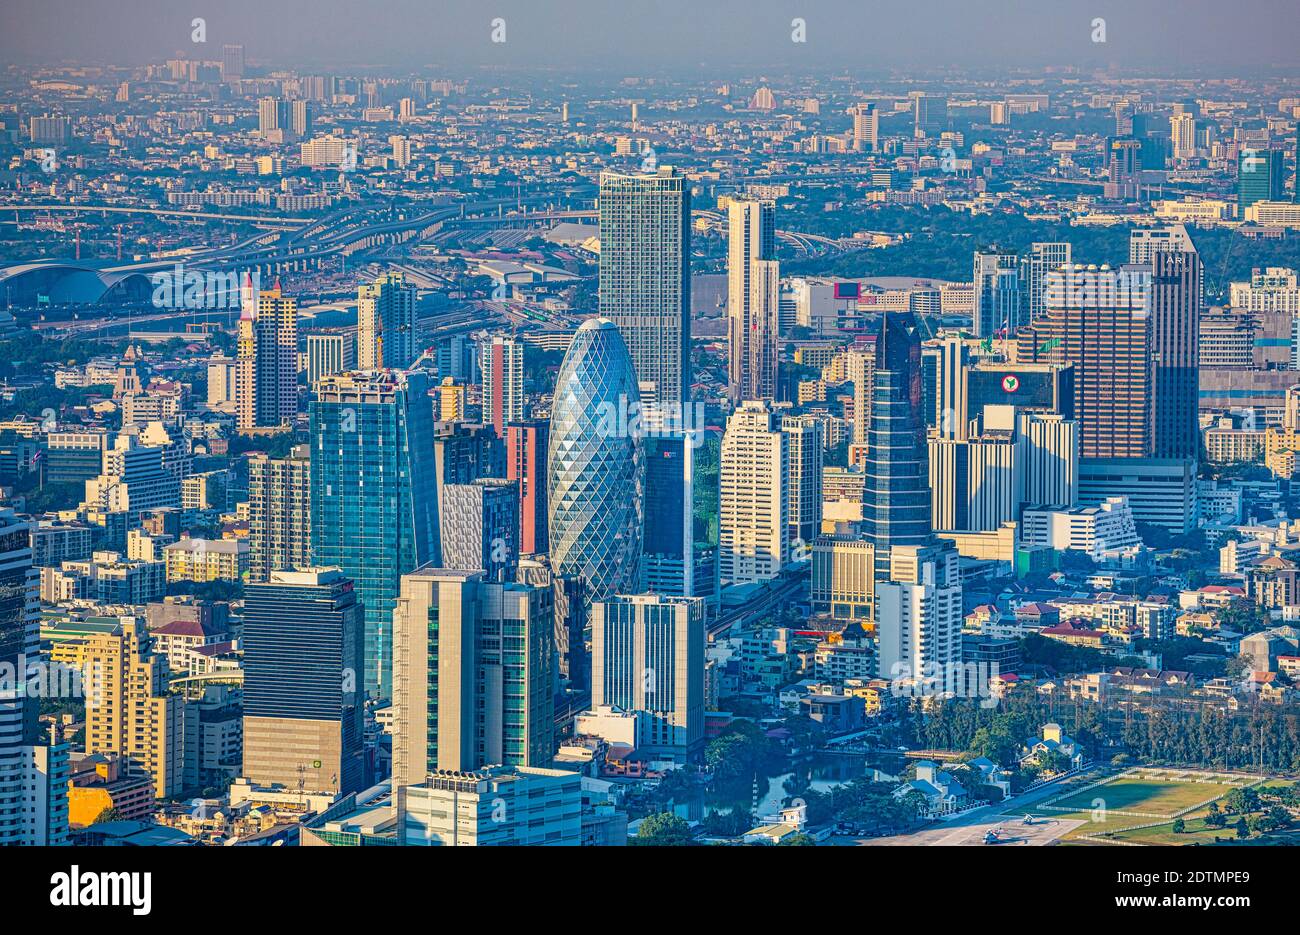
column 595, row 470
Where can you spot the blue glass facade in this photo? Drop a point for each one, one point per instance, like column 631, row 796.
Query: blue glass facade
column 374, row 495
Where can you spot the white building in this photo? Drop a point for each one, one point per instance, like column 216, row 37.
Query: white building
column 753, row 520
column 1095, row 530
column 918, row 611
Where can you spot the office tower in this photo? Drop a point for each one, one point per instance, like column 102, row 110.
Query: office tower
column 572, row 665
column 526, row 444
column 843, row 576
column 919, row 612
column 300, row 118
column 480, row 526
column 997, row 295
column 976, row 482
column 595, row 482
column 647, row 658
column 1261, row 176
column 753, row 521
column 500, row 806
column 232, row 62
column 645, row 280
column 1182, row 135
column 279, row 513
column 266, row 376
column 895, row 498
column 476, row 689
column 866, row 128
column 75, row 456
column 804, row 476
column 501, row 361
column 753, row 298
column 1049, row 458
column 374, row 494
column 930, row 113
column 33, row 774
column 302, row 643
column 50, row 128
column 1173, row 343
column 130, row 712
column 1124, row 160
column 1097, row 319
column 386, row 324
column 668, row 562
column 329, row 354
column 1042, row 258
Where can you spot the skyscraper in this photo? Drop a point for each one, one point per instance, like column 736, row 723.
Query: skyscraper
column 501, row 360
column 918, row 612
column 595, row 464
column 866, row 128
column 896, row 498
column 302, row 643
column 526, row 444
column 1097, row 319
column 1174, row 348
column 668, row 563
column 753, row 518
column 33, row 775
column 232, row 62
column 266, row 378
column 645, row 282
column 279, row 513
column 1261, row 176
column 386, row 323
column 1041, row 259
column 997, row 294
column 480, row 526
column 473, row 674
column 647, row 657
column 930, row 113
column 804, row 477
column 753, row 299
column 374, row 494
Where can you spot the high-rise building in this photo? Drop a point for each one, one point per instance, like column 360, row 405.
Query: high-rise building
column 919, row 612
column 500, row 806
column 672, row 560
column 753, row 299
column 804, row 477
column 896, row 498
column 1097, row 319
column 302, row 642
column 1182, row 135
column 754, row 518
column 997, row 295
column 328, row 354
column 645, row 280
column 33, row 774
column 279, row 513
column 266, row 378
column 1261, row 176
column 131, row 713
column 232, row 62
column 1173, row 344
column 866, row 128
column 480, row 526
column 451, row 400
column 647, row 658
column 386, row 323
column 930, row 113
column 374, row 494
column 1042, row 258
column 595, row 484
column 843, row 576
column 526, row 444
column 501, row 360
column 473, row 674
column 572, row 665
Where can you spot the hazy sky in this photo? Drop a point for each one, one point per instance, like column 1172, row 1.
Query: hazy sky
column 644, row 36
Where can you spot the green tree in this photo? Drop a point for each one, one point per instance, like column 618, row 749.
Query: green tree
column 1179, row 826
column 663, row 830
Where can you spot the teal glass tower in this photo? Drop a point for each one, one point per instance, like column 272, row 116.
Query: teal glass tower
column 374, row 495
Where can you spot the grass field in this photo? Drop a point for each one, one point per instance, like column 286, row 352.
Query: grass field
column 1145, row 795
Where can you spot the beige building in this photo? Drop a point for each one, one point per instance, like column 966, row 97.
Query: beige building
column 128, row 709
column 206, row 560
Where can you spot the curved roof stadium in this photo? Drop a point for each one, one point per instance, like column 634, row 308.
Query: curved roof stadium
column 57, row 282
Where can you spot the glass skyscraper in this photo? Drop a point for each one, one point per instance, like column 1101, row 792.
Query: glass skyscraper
column 645, row 280
column 374, row 494
column 595, row 464
column 896, row 497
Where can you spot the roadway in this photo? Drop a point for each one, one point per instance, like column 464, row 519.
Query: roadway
column 968, row 830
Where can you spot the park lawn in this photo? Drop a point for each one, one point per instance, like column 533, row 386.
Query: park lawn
column 1152, row 796
column 1197, row 832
